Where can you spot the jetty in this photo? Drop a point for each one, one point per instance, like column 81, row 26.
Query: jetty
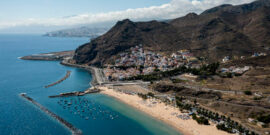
column 53, row 56
column 77, row 93
column 74, row 130
column 59, row 81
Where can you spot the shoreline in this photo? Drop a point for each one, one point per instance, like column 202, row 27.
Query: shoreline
column 90, row 69
column 160, row 112
column 185, row 127
column 163, row 112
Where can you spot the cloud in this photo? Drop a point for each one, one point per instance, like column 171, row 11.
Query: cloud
column 173, row 9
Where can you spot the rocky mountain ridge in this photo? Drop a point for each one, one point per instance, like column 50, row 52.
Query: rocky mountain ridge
column 221, row 31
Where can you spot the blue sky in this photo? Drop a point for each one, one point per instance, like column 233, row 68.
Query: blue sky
column 20, row 9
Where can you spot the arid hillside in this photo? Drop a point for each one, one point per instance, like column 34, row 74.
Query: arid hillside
column 225, row 30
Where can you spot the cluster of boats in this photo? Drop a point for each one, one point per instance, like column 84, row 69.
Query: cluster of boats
column 87, row 109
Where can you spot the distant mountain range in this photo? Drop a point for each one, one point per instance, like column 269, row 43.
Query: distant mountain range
column 221, row 31
column 78, row 32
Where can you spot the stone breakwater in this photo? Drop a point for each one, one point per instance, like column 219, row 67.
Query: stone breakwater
column 74, row 130
column 59, row 81
column 53, row 56
column 77, row 93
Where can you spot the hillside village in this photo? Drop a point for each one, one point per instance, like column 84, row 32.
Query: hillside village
column 141, row 62
column 138, row 61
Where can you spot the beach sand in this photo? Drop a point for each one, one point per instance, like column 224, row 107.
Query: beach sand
column 164, row 113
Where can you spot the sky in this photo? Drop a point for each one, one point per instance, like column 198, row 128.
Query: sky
column 47, row 15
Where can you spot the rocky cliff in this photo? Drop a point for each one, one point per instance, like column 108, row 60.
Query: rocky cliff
column 215, row 33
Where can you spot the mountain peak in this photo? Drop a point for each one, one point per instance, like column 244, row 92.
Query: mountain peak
column 191, row 15
column 225, row 30
column 125, row 21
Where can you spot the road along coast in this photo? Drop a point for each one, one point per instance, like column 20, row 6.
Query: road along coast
column 97, row 74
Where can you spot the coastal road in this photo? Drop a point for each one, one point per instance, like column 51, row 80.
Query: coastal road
column 125, row 83
column 99, row 75
column 96, row 72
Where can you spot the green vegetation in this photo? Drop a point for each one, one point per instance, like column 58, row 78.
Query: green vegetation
column 156, row 70
column 143, row 96
column 150, row 77
column 182, row 105
column 224, row 128
column 125, row 67
column 205, row 70
column 200, row 120
column 264, row 118
column 229, row 129
column 226, row 75
column 247, row 92
column 257, row 98
column 228, row 125
column 150, row 94
column 178, row 81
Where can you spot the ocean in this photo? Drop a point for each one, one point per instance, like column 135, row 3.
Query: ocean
column 94, row 114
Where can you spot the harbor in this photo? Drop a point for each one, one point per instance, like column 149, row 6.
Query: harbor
column 86, row 109
column 74, row 130
column 77, row 93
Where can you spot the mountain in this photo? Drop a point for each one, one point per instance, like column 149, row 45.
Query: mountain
column 221, row 31
column 78, row 32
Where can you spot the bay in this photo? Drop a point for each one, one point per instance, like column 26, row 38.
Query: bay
column 108, row 116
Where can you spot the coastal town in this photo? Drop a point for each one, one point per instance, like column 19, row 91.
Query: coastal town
column 138, row 61
column 114, row 80
column 159, row 67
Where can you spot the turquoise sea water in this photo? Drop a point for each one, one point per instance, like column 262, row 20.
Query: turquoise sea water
column 101, row 115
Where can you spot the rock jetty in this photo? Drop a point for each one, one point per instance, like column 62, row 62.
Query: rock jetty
column 74, row 130
column 59, row 81
column 77, row 93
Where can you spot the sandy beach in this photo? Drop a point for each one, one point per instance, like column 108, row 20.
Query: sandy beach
column 165, row 113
